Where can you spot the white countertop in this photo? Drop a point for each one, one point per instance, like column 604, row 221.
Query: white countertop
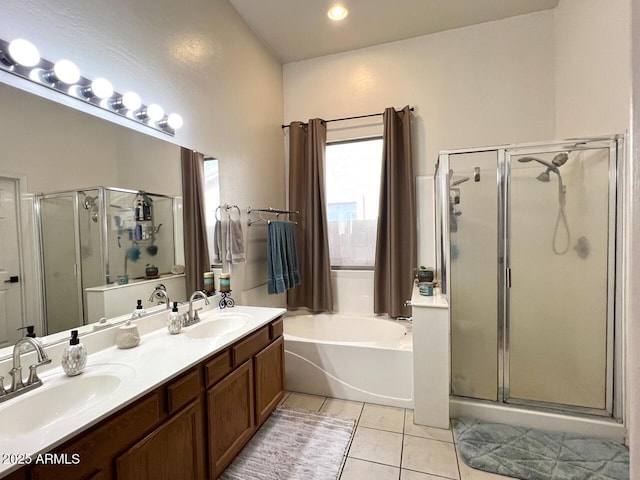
column 158, row 358
column 437, row 300
column 137, row 281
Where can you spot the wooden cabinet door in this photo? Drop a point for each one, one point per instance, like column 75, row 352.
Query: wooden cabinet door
column 230, row 409
column 89, row 456
column 173, row 451
column 269, row 372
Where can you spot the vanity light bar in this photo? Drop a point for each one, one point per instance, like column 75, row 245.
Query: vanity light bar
column 21, row 58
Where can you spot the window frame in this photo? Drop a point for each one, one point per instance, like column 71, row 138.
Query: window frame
column 365, row 268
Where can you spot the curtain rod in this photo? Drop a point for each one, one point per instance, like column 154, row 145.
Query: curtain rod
column 348, row 118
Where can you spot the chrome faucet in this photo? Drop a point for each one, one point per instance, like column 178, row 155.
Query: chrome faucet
column 160, row 293
column 18, row 387
column 191, row 316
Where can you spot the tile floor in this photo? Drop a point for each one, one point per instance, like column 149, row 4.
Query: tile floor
column 387, row 445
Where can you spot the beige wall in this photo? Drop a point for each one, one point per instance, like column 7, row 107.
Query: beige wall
column 592, row 67
column 201, row 61
column 480, row 85
column 58, row 148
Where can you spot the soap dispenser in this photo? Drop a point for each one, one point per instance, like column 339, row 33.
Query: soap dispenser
column 174, row 324
column 139, row 311
column 74, row 357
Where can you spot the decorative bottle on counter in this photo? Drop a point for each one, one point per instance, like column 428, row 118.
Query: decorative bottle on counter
column 139, row 311
column 174, row 323
column 74, row 357
column 225, row 282
column 209, row 285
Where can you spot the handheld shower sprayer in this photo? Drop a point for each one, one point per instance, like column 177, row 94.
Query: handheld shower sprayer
column 557, row 161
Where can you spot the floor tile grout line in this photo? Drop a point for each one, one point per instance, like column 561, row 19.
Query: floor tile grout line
column 430, row 474
column 404, row 426
column 377, row 463
column 383, row 430
column 355, row 427
column 455, row 447
column 429, row 438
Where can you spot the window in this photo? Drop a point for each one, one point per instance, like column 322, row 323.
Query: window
column 211, row 197
column 352, row 180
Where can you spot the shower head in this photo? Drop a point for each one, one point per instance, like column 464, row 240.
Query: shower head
column 544, row 176
column 560, row 159
column 550, row 166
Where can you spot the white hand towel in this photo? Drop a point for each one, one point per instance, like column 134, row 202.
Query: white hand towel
column 217, row 242
column 235, row 242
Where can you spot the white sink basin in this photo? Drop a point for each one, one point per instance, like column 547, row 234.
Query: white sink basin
column 60, row 395
column 217, row 324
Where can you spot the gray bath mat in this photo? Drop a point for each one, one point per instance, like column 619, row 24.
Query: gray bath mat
column 538, row 455
column 294, row 445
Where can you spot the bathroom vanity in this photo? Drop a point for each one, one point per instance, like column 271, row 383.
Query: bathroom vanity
column 192, row 424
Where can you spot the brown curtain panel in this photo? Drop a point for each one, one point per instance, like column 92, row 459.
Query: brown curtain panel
column 307, row 144
column 196, row 253
column 396, row 237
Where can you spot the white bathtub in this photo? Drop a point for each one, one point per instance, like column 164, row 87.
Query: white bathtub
column 367, row 359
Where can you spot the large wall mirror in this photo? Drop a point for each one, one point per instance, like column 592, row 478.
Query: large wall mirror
column 70, row 183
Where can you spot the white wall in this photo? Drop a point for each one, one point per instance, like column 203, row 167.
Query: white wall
column 200, row 60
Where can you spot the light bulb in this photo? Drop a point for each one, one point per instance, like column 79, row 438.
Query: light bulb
column 102, row 88
column 175, row 121
column 131, row 101
column 24, row 52
column 155, row 112
column 337, row 12
column 66, row 72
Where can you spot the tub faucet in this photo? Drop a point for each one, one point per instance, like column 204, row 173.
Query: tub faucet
column 160, row 294
column 191, row 316
column 18, row 387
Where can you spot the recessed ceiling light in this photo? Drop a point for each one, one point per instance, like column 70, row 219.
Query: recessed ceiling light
column 337, row 12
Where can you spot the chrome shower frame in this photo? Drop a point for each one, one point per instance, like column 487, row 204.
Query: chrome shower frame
column 614, row 394
column 102, row 223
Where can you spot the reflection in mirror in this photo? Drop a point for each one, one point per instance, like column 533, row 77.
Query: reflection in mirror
column 211, row 198
column 48, row 147
column 136, row 227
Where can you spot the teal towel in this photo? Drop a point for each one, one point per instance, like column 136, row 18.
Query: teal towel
column 282, row 257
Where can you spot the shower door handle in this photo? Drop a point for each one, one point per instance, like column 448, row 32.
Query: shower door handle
column 508, row 277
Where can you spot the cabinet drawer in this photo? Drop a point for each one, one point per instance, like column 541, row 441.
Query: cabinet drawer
column 251, row 345
column 217, row 368
column 276, row 328
column 182, row 391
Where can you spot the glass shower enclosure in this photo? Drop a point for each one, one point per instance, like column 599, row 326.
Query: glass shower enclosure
column 527, row 243
column 93, row 236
